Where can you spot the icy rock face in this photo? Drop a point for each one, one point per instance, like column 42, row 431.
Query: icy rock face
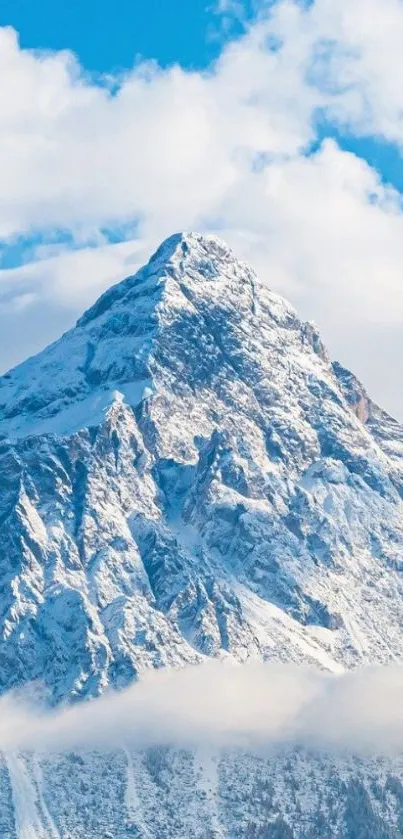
column 186, row 474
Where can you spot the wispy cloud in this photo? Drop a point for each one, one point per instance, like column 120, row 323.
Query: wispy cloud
column 252, row 706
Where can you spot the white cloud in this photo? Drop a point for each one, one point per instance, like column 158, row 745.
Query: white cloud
column 252, row 706
column 354, row 50
column 72, row 278
column 74, row 155
column 223, row 149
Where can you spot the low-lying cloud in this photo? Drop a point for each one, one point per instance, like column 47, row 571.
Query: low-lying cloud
column 221, row 705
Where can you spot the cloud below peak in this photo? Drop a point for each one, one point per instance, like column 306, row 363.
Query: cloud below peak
column 220, row 705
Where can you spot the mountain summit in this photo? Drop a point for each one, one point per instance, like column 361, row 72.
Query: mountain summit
column 192, row 290
column 185, row 474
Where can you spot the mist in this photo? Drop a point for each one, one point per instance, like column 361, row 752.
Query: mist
column 224, row 705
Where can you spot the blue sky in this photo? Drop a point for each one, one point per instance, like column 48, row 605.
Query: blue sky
column 383, row 156
column 275, row 123
column 107, row 37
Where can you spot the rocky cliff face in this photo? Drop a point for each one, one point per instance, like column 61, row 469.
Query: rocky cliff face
column 186, row 474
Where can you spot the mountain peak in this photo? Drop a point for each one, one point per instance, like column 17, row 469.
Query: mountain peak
column 183, row 244
column 193, row 321
column 181, row 256
column 112, row 342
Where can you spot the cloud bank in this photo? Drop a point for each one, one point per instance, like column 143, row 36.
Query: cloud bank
column 239, row 150
column 251, row 706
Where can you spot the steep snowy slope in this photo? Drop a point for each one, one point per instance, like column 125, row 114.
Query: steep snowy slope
column 186, row 474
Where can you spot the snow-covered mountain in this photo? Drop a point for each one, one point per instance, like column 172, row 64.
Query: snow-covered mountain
column 186, row 474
